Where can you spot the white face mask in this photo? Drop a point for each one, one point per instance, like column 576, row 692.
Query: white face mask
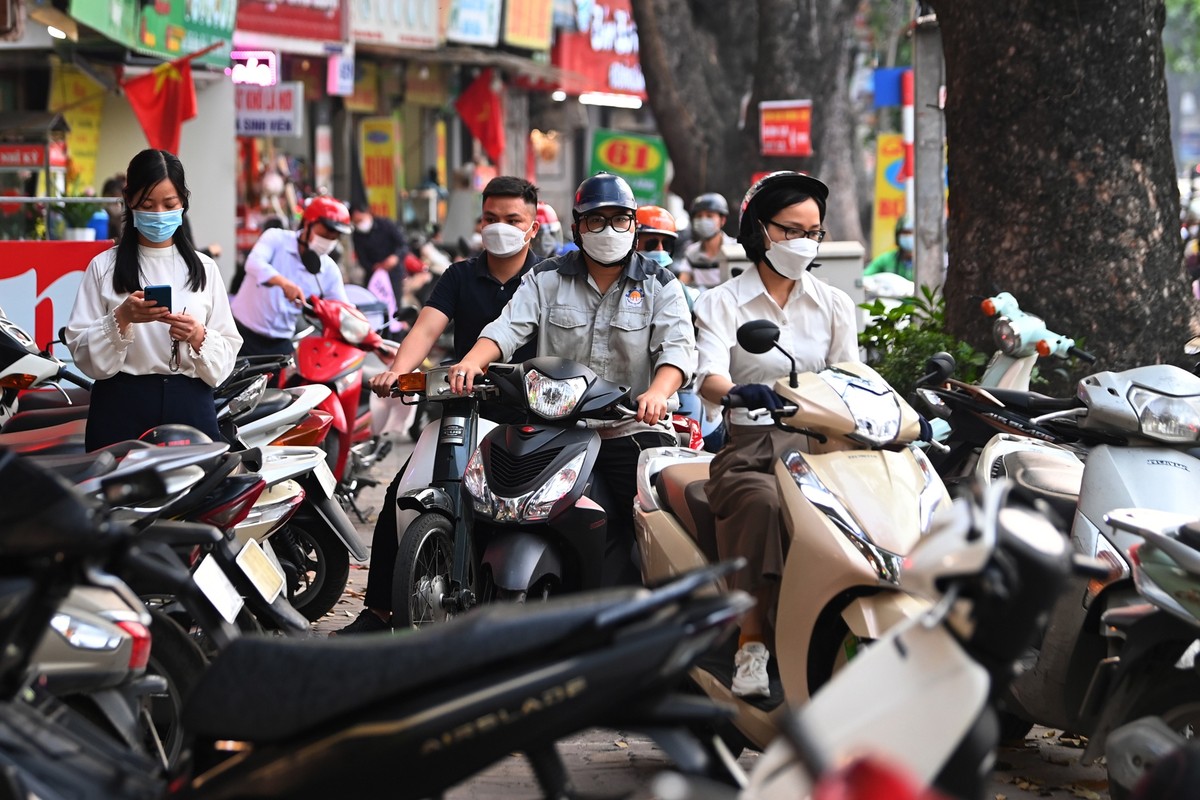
column 608, row 247
column 365, row 226
column 320, row 245
column 705, row 227
column 790, row 258
column 503, row 240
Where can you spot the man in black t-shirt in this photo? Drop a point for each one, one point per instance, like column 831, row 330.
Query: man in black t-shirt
column 378, row 244
column 472, row 293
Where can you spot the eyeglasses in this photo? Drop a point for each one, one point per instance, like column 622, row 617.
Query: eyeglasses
column 595, row 223
column 798, row 233
column 648, row 243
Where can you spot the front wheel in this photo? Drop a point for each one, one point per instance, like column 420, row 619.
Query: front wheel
column 1175, row 697
column 423, row 577
column 177, row 658
column 317, row 565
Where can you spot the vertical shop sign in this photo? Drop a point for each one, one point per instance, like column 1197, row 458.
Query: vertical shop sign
column 603, row 55
column 527, row 23
column 380, row 148
column 640, row 160
column 889, row 191
column 396, row 23
column 68, row 87
column 339, row 80
column 166, row 28
column 323, row 156
column 784, row 127
column 474, row 22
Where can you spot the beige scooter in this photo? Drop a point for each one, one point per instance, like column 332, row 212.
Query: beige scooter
column 854, row 503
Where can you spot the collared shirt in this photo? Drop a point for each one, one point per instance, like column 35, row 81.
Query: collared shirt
column 625, row 334
column 471, row 296
column 706, row 272
column 816, row 326
column 264, row 309
column 100, row 349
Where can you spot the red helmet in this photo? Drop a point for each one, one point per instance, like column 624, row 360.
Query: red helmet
column 546, row 214
column 328, row 211
column 655, row 219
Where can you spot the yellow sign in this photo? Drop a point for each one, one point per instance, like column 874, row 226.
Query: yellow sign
column 69, row 86
column 527, row 23
column 889, row 192
column 365, row 99
column 380, row 148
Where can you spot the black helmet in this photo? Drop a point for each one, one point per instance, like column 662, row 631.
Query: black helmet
column 710, row 201
column 603, row 190
column 804, row 183
column 173, row 433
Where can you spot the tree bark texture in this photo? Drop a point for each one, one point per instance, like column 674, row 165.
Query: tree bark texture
column 709, row 64
column 1061, row 174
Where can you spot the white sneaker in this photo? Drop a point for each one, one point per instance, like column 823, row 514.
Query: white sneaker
column 751, row 676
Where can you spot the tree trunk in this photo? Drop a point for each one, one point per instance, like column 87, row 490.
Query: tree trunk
column 707, row 67
column 1062, row 179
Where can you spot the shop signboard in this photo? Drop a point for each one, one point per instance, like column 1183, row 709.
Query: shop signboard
column 39, row 280
column 165, row 28
column 31, row 156
column 784, row 127
column 474, row 22
column 527, row 23
column 339, row 78
column 269, row 110
column 395, row 23
column 603, row 55
column 82, row 101
column 425, row 85
column 365, row 99
column 380, row 148
column 315, row 20
column 640, row 160
column 889, row 191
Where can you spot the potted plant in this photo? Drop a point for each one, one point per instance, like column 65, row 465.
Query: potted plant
column 76, row 216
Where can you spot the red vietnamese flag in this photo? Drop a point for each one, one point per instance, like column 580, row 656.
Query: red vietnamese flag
column 162, row 100
column 482, row 111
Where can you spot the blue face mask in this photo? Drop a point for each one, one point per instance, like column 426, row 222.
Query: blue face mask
column 905, row 240
column 661, row 257
column 158, row 226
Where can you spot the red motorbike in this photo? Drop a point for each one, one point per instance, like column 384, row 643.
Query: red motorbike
column 335, row 358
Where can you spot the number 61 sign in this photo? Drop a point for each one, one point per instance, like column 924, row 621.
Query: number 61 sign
column 640, row 160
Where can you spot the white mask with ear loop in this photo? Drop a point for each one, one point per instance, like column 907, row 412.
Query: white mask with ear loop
column 791, row 257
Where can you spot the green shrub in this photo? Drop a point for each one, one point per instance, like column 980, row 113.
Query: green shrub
column 901, row 338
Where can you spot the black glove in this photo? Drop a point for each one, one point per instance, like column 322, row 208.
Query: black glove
column 755, row 395
column 926, row 429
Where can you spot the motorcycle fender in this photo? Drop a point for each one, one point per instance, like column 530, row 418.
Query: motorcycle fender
column 427, row 498
column 519, row 559
column 870, row 617
column 335, row 517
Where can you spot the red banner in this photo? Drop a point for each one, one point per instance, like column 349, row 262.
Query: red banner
column 39, row 280
column 320, row 20
column 785, row 126
column 604, row 57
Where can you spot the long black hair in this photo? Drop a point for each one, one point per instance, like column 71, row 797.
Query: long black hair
column 146, row 170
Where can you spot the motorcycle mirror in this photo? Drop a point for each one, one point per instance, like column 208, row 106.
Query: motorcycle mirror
column 938, row 368
column 1192, row 348
column 758, row 336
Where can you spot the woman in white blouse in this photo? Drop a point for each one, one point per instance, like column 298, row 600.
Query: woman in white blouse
column 152, row 364
column 780, row 228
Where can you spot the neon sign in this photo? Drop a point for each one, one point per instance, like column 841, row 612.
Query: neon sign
column 256, row 67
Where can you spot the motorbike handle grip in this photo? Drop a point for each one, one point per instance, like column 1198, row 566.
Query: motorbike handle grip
column 1081, row 354
column 81, row 382
column 1090, row 567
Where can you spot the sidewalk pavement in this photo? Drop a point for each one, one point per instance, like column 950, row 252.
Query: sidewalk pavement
column 616, row 763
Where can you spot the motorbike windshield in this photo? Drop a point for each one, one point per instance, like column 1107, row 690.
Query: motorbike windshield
column 873, row 406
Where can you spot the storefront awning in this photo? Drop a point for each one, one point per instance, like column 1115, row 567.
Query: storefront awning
column 471, row 56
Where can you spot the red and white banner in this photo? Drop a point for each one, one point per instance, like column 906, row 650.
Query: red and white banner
column 785, row 127
column 39, row 280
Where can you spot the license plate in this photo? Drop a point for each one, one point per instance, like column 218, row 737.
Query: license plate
column 267, row 578
column 217, row 588
column 325, row 478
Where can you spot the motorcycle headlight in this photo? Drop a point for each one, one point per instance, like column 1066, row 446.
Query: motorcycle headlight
column 874, row 408
column 552, row 398
column 481, row 496
column 353, row 326
column 543, row 499
column 1166, row 418
column 1007, row 337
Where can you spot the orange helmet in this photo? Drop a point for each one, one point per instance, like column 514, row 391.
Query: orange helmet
column 328, row 211
column 656, row 219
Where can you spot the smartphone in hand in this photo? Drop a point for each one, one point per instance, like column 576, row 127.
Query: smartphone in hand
column 159, row 294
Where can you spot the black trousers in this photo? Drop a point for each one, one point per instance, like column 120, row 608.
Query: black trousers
column 255, row 344
column 126, row 406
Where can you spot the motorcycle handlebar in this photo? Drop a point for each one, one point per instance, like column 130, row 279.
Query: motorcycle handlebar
column 1081, row 354
column 79, row 381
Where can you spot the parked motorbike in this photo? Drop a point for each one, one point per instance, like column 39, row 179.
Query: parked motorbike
column 991, row 568
column 855, row 504
column 335, row 359
column 270, row 723
column 23, row 366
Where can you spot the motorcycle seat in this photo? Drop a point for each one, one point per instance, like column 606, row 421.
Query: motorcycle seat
column 681, row 489
column 41, row 399
column 1049, row 479
column 44, row 418
column 262, row 689
column 273, row 400
column 77, row 467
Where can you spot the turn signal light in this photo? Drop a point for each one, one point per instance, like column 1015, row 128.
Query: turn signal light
column 310, row 431
column 989, row 307
column 17, row 381
column 1043, row 347
column 412, row 383
column 1115, row 572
